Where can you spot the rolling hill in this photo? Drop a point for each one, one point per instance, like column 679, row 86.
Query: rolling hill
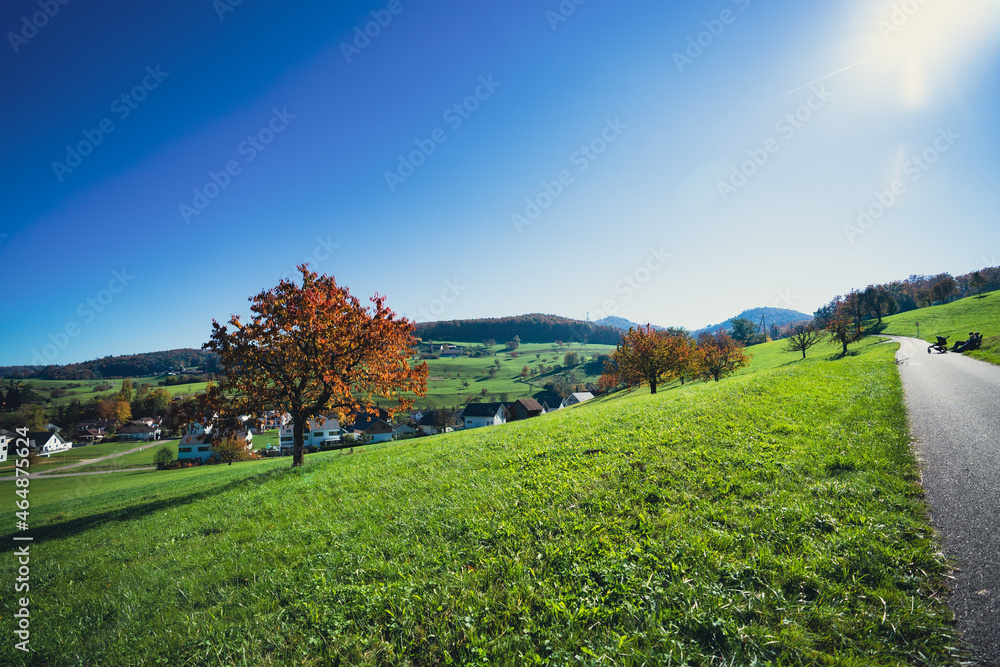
column 780, row 316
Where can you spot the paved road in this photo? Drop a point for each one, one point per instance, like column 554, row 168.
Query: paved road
column 87, row 462
column 954, row 405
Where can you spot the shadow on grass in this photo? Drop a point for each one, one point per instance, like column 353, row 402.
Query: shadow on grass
column 83, row 524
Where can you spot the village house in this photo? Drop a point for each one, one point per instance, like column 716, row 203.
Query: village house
column 577, row 398
column 436, row 421
column 315, row 433
column 46, row 442
column 94, row 430
column 5, row 443
column 551, row 404
column 404, row 430
column 377, row 431
column 139, row 433
column 197, row 442
column 477, row 415
column 524, row 408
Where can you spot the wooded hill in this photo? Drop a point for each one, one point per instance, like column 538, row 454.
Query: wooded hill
column 780, row 317
column 533, row 328
column 131, row 365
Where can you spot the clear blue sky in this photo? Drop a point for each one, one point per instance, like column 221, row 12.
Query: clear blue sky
column 630, row 138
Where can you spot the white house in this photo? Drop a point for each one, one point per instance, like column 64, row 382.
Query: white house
column 574, row 399
column 477, row 415
column 47, row 443
column 196, row 443
column 4, row 444
column 376, row 431
column 315, row 433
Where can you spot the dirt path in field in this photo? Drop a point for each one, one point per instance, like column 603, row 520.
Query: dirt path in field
column 954, row 410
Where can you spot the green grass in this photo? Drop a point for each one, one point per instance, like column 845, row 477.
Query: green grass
column 75, row 455
column 773, row 518
column 446, row 375
column 956, row 320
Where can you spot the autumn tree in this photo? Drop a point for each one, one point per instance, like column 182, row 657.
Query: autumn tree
column 646, row 356
column 571, row 359
column 514, row 344
column 232, row 448
column 114, row 410
column 803, row 337
column 943, row 287
column 314, row 348
column 719, row 355
column 842, row 324
column 878, row 301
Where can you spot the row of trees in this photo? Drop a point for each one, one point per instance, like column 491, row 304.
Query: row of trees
column 650, row 356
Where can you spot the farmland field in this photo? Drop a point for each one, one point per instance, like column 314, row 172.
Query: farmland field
column 773, row 518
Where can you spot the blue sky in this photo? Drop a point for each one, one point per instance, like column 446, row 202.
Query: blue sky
column 662, row 161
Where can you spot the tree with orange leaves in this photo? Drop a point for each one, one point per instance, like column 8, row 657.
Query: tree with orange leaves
column 646, row 355
column 314, row 348
column 718, row 355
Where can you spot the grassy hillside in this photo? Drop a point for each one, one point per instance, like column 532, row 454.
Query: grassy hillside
column 956, row 319
column 772, row 519
column 446, row 388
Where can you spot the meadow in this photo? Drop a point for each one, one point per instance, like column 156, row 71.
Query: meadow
column 956, row 320
column 772, row 518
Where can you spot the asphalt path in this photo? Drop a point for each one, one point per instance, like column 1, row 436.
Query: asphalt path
column 87, row 462
column 954, row 411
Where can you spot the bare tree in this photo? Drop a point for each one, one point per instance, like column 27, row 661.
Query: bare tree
column 803, row 337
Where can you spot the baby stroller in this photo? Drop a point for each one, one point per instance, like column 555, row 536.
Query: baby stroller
column 941, row 345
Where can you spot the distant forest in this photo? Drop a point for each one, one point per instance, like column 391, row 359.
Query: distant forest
column 532, row 328
column 132, row 365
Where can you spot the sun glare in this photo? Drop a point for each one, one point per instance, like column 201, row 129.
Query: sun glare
column 927, row 44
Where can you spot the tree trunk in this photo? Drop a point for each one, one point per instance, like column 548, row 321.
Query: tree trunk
column 803, row 353
column 652, row 385
column 297, row 440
